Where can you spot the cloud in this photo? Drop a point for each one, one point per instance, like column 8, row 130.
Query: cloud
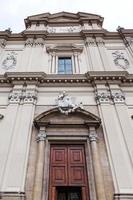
column 114, row 12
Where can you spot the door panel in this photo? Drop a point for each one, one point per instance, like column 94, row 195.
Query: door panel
column 76, row 175
column 58, row 165
column 67, row 168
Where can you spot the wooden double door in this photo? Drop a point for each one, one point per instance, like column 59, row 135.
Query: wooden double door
column 68, row 177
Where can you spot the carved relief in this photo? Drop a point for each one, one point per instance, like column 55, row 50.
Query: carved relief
column 23, row 97
column 120, row 60
column 90, row 42
column 10, row 61
column 39, row 41
column 130, row 40
column 103, row 97
column 29, row 97
column 15, row 97
column 118, row 97
column 100, row 41
column 41, row 136
column 2, row 43
column 67, row 104
column 68, row 29
column 29, row 42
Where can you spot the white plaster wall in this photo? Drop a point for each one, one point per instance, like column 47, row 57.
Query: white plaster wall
column 48, row 96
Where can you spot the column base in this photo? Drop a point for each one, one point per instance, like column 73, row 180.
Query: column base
column 123, row 196
column 12, row 196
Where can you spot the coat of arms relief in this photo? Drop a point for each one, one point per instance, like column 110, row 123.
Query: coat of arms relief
column 67, row 104
column 120, row 59
column 10, row 61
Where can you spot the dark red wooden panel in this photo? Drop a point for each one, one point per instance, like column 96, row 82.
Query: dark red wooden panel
column 58, row 165
column 59, row 175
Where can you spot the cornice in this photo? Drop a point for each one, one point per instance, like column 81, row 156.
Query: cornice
column 34, row 34
column 76, row 80
column 65, row 36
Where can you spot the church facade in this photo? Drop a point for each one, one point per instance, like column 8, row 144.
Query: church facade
column 66, row 110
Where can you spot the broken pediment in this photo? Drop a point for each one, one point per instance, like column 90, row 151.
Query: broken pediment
column 61, row 17
column 79, row 118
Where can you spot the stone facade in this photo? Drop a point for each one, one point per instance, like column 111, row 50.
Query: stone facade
column 92, row 106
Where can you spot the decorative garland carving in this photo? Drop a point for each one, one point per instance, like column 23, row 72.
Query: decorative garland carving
column 120, row 60
column 10, row 61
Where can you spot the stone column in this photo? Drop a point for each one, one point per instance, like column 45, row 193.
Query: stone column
column 96, row 165
column 37, row 190
column 54, row 63
column 76, row 61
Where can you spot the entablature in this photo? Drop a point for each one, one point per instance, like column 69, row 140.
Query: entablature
column 43, row 79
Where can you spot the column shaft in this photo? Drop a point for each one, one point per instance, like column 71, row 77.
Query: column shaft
column 37, row 190
column 97, row 167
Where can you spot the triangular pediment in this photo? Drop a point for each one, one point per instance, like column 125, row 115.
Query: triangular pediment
column 55, row 117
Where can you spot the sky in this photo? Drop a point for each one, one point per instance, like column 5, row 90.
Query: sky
column 115, row 12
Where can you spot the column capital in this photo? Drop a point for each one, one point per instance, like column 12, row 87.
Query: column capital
column 30, row 97
column 103, row 97
column 90, row 42
column 92, row 134
column 29, row 42
column 100, row 41
column 39, row 42
column 42, row 134
column 118, row 97
column 15, row 97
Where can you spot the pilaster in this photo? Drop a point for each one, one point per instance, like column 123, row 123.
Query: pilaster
column 94, row 54
column 26, row 55
column 122, row 113
column 102, row 51
column 16, row 165
column 115, row 142
column 36, row 62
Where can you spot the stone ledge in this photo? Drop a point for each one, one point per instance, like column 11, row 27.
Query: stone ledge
column 123, row 196
column 12, row 196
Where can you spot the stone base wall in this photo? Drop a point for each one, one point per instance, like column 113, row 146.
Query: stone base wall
column 12, row 196
column 123, row 196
